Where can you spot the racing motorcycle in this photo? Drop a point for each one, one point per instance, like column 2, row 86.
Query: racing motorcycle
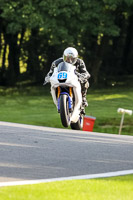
column 66, row 94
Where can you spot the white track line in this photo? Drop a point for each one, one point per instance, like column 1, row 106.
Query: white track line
column 92, row 176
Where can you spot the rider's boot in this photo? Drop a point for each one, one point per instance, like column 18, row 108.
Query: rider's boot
column 84, row 103
column 84, row 92
column 82, row 111
column 84, row 100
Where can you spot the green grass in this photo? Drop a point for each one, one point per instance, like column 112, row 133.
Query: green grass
column 104, row 104
column 30, row 106
column 34, row 105
column 118, row 188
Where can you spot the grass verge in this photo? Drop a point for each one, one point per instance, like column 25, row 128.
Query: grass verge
column 34, row 105
column 96, row 189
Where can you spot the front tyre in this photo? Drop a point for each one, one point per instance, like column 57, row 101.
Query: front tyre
column 64, row 111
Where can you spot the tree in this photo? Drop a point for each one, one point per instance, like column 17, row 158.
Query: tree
column 36, row 32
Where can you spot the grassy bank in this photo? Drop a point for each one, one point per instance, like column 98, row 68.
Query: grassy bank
column 34, row 105
column 104, row 104
column 97, row 189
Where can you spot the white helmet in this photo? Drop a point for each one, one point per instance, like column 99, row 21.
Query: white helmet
column 70, row 55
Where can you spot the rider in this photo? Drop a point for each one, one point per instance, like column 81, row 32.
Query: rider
column 70, row 55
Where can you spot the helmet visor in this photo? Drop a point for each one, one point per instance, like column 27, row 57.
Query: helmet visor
column 70, row 59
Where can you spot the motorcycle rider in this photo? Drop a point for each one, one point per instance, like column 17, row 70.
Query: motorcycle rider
column 70, row 55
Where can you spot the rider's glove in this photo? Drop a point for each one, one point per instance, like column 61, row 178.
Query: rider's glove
column 81, row 77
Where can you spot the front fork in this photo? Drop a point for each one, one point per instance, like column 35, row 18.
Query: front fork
column 59, row 93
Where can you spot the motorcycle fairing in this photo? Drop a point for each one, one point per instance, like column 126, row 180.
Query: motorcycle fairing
column 69, row 79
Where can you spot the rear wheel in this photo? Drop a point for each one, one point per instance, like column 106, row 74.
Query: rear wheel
column 64, row 111
column 78, row 125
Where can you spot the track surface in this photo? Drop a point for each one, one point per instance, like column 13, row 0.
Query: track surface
column 32, row 152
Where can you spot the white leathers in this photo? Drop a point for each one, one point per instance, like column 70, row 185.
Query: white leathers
column 71, row 81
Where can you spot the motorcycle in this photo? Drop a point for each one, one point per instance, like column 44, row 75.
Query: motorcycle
column 66, row 94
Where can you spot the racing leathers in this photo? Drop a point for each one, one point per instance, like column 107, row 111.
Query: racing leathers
column 81, row 72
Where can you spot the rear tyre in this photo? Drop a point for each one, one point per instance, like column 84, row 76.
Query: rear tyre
column 64, row 111
column 78, row 125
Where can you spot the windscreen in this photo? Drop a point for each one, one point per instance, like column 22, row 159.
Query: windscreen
column 63, row 66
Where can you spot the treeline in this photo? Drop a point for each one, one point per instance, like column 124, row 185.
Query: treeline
column 35, row 32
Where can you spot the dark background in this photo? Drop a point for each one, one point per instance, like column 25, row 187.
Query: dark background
column 33, row 33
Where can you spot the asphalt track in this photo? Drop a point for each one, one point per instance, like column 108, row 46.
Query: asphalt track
column 34, row 152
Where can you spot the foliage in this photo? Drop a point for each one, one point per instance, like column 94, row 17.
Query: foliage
column 34, row 33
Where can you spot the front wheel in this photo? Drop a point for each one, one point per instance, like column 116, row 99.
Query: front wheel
column 64, row 111
column 78, row 125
